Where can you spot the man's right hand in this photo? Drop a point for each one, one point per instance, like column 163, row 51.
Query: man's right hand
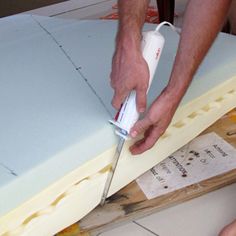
column 129, row 72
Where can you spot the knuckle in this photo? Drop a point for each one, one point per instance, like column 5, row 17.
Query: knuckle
column 151, row 118
column 138, row 127
column 143, row 87
column 142, row 127
column 112, row 83
column 113, row 102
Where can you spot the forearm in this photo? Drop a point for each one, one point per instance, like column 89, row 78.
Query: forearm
column 131, row 19
column 202, row 22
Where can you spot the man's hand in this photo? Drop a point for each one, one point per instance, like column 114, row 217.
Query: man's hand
column 155, row 122
column 202, row 21
column 202, row 18
column 129, row 72
column 129, row 69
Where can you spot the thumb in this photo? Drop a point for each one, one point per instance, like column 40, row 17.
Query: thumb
column 140, row 127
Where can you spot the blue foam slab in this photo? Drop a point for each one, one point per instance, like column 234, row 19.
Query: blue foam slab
column 55, row 94
column 96, row 59
column 46, row 108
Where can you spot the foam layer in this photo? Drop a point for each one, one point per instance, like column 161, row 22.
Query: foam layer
column 56, row 144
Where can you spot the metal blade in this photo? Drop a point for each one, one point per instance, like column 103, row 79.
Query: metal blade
column 111, row 173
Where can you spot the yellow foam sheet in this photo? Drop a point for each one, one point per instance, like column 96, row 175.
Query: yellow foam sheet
column 56, row 143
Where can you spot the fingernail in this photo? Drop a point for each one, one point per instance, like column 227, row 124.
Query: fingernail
column 141, row 110
column 134, row 134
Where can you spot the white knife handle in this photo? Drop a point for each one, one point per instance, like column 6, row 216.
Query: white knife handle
column 152, row 45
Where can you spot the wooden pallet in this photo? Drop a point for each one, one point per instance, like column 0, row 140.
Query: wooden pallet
column 130, row 203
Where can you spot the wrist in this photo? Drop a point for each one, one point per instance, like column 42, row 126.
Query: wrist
column 174, row 93
column 129, row 40
column 178, row 84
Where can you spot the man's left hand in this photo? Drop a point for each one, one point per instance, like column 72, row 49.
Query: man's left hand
column 155, row 122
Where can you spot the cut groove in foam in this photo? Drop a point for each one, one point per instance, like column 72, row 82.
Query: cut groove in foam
column 179, row 124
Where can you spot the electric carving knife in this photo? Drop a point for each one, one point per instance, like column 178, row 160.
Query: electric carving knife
column 151, row 46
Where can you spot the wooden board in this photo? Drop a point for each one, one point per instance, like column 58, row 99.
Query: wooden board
column 130, row 203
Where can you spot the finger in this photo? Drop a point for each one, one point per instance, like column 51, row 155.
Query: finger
column 146, row 134
column 147, row 142
column 118, row 99
column 140, row 127
column 112, row 79
column 141, row 99
column 134, row 147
